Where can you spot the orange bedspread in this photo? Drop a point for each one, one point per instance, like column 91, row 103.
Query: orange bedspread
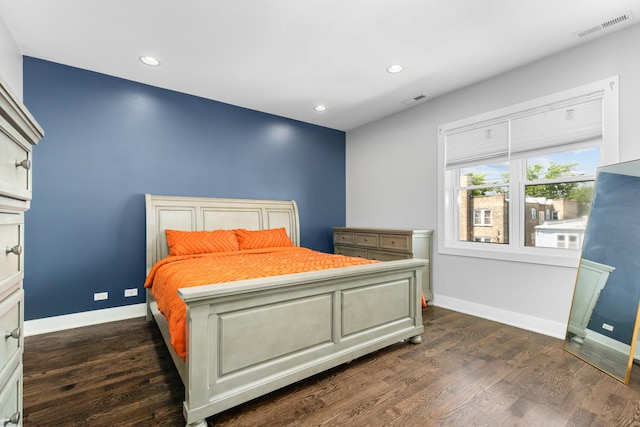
column 175, row 272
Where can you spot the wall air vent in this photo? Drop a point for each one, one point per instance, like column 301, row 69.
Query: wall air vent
column 624, row 18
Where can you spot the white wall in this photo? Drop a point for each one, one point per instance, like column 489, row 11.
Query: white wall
column 391, row 178
column 10, row 60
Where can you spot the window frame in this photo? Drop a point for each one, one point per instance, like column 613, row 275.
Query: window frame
column 515, row 250
column 483, row 217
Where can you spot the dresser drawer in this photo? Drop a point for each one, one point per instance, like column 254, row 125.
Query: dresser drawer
column 19, row 132
column 347, row 251
column 10, row 329
column 11, row 399
column 387, row 256
column 395, row 241
column 10, row 238
column 15, row 164
column 343, row 238
column 367, row 239
column 388, row 244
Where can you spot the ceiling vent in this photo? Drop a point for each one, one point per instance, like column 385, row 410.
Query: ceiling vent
column 624, row 18
column 414, row 100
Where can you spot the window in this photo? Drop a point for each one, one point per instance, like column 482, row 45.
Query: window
column 482, row 239
column 483, row 199
column 518, row 182
column 567, row 241
column 482, row 217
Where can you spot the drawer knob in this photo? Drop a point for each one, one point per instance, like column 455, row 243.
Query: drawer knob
column 26, row 163
column 13, row 334
column 17, row 250
column 13, row 419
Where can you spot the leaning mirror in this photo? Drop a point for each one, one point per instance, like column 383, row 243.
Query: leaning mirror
column 603, row 321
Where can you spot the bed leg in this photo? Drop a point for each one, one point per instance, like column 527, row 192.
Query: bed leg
column 416, row 340
column 199, row 423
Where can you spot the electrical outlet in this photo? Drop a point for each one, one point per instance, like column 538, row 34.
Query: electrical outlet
column 607, row 327
column 133, row 292
column 99, row 296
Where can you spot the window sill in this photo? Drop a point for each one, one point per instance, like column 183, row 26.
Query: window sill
column 545, row 256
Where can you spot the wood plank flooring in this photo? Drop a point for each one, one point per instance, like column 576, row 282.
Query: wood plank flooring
column 466, row 372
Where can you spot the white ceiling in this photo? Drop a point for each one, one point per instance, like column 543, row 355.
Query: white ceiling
column 285, row 56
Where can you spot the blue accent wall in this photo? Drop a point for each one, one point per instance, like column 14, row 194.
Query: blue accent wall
column 108, row 141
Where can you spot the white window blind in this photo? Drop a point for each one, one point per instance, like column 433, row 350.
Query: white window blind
column 559, row 124
column 483, row 143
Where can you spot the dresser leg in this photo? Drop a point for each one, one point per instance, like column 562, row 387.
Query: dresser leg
column 416, row 340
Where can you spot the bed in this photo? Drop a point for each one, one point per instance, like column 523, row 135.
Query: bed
column 241, row 342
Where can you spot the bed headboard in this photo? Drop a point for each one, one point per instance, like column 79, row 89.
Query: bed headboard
column 203, row 213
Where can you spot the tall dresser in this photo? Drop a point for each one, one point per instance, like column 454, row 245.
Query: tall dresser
column 387, row 244
column 18, row 133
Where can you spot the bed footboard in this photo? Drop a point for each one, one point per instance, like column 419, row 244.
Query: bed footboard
column 251, row 337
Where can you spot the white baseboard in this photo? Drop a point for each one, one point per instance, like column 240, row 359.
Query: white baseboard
column 519, row 320
column 608, row 342
column 87, row 318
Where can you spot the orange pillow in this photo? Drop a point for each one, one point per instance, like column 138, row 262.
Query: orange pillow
column 200, row 242
column 258, row 239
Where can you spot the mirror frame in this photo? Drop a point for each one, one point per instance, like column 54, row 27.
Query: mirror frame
column 631, row 168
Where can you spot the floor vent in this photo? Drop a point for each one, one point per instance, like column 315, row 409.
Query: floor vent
column 627, row 16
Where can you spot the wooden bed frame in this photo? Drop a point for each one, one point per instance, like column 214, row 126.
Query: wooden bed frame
column 250, row 337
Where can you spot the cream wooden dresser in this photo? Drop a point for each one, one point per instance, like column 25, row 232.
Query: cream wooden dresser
column 387, row 244
column 18, row 133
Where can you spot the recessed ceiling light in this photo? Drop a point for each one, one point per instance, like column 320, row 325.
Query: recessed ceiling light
column 150, row 60
column 320, row 108
column 395, row 68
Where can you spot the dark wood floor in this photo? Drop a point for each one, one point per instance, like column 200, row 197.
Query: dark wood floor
column 466, row 372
